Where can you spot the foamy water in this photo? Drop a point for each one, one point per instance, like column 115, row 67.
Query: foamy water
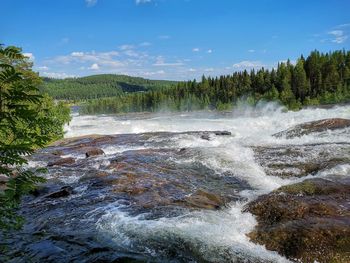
column 216, row 235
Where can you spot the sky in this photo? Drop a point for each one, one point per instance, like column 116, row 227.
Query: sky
column 170, row 39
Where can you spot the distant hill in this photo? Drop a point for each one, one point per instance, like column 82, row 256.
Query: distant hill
column 99, row 86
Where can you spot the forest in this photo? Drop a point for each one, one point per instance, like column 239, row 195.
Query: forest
column 320, row 78
column 98, row 86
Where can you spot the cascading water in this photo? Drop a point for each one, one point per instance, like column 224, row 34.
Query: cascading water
column 197, row 235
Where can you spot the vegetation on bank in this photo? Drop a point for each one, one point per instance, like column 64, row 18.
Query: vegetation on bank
column 321, row 78
column 99, row 86
column 28, row 121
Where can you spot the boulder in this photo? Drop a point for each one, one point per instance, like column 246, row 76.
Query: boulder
column 94, row 152
column 314, row 126
column 205, row 200
column 307, row 221
column 62, row 162
column 205, row 137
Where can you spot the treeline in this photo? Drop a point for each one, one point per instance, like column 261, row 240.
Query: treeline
column 98, row 86
column 321, row 78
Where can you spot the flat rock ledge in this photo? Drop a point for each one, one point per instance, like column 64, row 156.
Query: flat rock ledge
column 306, row 222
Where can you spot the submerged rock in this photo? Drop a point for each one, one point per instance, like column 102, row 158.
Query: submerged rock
column 94, row 152
column 314, row 126
column 62, row 162
column 308, row 221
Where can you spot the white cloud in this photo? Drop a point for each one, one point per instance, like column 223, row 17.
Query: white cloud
column 153, row 73
column 138, row 2
column 338, row 36
column 160, row 62
column 126, row 47
column 192, row 70
column 209, row 51
column 90, row 3
column 251, row 50
column 30, row 56
column 248, row 64
column 209, row 69
column 94, row 66
column 57, row 75
column 196, row 49
column 77, row 54
column 42, row 68
column 343, row 25
column 100, row 58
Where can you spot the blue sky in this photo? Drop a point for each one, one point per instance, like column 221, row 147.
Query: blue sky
column 170, row 39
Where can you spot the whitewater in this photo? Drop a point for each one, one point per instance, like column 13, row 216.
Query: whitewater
column 219, row 236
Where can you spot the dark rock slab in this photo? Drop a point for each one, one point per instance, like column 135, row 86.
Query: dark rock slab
column 63, row 192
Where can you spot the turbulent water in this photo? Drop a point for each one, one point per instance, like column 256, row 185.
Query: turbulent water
column 201, row 234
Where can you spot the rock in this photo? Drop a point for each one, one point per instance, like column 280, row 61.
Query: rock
column 205, row 200
column 301, row 160
column 94, row 152
column 205, row 137
column 314, row 126
column 307, row 221
column 62, row 162
column 57, row 153
column 63, row 192
column 222, row 133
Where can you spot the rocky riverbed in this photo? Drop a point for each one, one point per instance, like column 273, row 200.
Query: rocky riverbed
column 250, row 187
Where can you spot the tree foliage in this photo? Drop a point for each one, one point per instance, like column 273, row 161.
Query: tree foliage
column 28, row 121
column 320, row 78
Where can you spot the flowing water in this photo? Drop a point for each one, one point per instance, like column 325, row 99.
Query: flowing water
column 158, row 228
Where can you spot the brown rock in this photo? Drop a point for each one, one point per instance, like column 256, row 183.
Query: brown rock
column 204, row 199
column 62, row 162
column 94, row 152
column 308, row 221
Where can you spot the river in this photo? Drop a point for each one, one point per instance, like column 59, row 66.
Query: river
column 150, row 225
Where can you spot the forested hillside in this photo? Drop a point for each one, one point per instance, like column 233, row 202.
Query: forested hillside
column 320, row 78
column 98, row 86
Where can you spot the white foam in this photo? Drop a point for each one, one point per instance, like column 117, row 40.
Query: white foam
column 210, row 231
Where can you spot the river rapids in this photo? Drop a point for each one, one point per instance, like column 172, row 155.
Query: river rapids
column 169, row 187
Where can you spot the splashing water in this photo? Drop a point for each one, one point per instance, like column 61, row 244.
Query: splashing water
column 206, row 235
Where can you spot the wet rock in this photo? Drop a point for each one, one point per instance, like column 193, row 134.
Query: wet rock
column 308, row 221
column 63, row 192
column 301, row 160
column 94, row 152
column 57, row 152
column 204, row 199
column 222, row 133
column 62, row 162
column 314, row 126
column 205, row 137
